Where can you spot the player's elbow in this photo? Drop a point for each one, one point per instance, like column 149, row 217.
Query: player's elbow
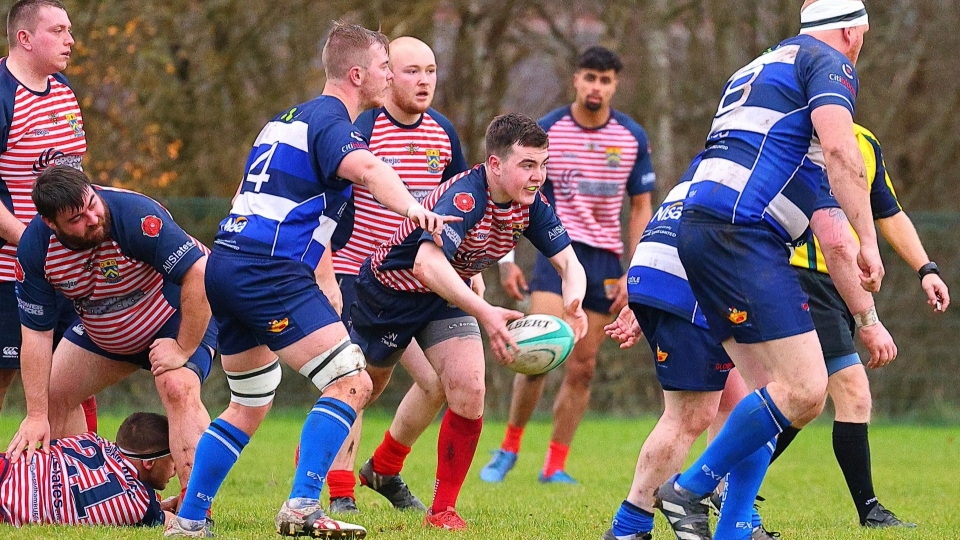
column 839, row 247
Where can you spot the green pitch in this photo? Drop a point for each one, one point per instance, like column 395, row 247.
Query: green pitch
column 915, row 471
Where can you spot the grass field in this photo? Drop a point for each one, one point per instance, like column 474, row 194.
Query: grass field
column 915, row 471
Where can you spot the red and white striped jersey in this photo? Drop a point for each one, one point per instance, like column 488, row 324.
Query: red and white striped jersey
column 85, row 480
column 125, row 289
column 37, row 130
column 424, row 155
column 590, row 169
column 487, row 233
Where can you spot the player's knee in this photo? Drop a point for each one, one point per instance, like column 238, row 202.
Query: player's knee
column 342, row 360
column 465, row 397
column 178, row 387
column 255, row 387
column 582, row 371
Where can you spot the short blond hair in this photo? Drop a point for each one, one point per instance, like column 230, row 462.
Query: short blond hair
column 348, row 45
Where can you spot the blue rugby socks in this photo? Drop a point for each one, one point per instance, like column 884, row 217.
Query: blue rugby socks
column 630, row 520
column 218, row 449
column 327, row 426
column 752, row 423
column 743, row 484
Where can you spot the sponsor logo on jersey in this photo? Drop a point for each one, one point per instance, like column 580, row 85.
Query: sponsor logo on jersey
column 847, row 70
column 433, row 160
column 277, row 326
column 556, row 232
column 75, row 124
column 633, row 280
column 29, row 308
column 11, row 352
column 18, row 271
column 78, row 329
column 614, row 155
column 661, row 355
column 412, row 149
column 52, row 156
column 68, row 284
column 355, row 135
column 726, row 366
column 151, row 226
column 736, row 316
column 110, row 271
column 452, row 235
column 234, row 225
column 464, row 202
column 289, row 115
column 844, row 82
column 392, row 161
column 40, row 132
column 112, row 304
column 671, row 212
column 174, row 258
column 352, row 146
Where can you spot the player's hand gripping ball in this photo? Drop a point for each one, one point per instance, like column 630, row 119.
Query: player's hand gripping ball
column 544, row 340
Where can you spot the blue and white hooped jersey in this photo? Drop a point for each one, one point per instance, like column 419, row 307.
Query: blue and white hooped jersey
column 291, row 198
column 656, row 277
column 762, row 162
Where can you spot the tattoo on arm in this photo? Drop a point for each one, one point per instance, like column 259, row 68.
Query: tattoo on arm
column 837, row 215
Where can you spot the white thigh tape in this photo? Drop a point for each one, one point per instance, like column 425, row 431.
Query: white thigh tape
column 254, row 388
column 341, row 360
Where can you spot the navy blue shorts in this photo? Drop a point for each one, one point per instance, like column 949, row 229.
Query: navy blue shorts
column 199, row 363
column 348, row 285
column 833, row 320
column 264, row 301
column 686, row 356
column 10, row 338
column 386, row 320
column 742, row 278
column 603, row 270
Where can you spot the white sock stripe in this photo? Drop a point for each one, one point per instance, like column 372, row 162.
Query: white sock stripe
column 333, row 414
column 766, row 407
column 224, row 442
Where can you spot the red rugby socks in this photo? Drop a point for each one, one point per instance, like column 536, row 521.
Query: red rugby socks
column 511, row 440
column 388, row 458
column 341, row 484
column 456, row 447
column 556, row 458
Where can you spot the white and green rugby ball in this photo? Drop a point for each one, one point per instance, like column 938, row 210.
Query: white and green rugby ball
column 544, row 340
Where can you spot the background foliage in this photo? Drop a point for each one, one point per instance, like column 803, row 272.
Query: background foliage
column 173, row 94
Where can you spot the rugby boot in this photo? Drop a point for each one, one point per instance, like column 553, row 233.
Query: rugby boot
column 499, row 466
column 558, row 477
column 686, row 515
column 448, row 520
column 312, row 521
column 880, row 518
column 759, row 533
column 639, row 536
column 174, row 529
column 343, row 505
column 390, row 486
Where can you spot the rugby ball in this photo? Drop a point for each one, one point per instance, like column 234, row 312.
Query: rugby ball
column 544, row 340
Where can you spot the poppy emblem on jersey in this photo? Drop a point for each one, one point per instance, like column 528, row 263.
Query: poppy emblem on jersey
column 661, row 356
column 110, row 271
column 277, row 326
column 464, row 202
column 433, row 160
column 75, row 124
column 18, row 271
column 736, row 316
column 614, row 154
column 151, row 226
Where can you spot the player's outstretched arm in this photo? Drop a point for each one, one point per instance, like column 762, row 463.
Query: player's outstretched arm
column 902, row 235
column 10, row 227
column 848, row 180
column 36, row 357
column 624, row 329
column 573, row 289
column 840, row 248
column 433, row 269
column 168, row 354
column 363, row 168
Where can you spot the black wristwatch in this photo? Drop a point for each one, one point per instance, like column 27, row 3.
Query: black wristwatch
column 929, row 268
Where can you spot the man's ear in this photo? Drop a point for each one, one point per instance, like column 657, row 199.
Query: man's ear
column 356, row 75
column 495, row 164
column 149, row 464
column 49, row 223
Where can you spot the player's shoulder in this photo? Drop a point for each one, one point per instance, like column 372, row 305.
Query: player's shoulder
column 631, row 125
column 126, row 199
column 548, row 120
column 864, row 134
column 368, row 119
column 61, row 78
column 36, row 235
column 442, row 121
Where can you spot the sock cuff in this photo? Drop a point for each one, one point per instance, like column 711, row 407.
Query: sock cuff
column 462, row 425
column 389, row 440
column 228, row 433
column 337, row 408
column 849, row 429
column 636, row 509
column 782, row 421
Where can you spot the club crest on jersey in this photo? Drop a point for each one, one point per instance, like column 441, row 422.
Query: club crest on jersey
column 18, row 271
column 433, row 160
column 464, row 202
column 412, row 149
column 614, row 155
column 151, row 226
column 661, row 356
column 277, row 326
column 110, row 271
column 517, row 232
column 75, row 124
column 736, row 316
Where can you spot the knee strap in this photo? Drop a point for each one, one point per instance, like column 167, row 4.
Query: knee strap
column 341, row 360
column 256, row 387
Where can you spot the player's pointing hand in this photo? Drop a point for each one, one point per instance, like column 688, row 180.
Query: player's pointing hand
column 430, row 222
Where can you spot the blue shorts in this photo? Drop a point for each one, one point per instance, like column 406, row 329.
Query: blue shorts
column 10, row 338
column 263, row 301
column 199, row 363
column 348, row 285
column 686, row 357
column 385, row 320
column 603, row 270
column 742, row 278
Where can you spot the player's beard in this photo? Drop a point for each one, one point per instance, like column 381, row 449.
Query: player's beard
column 592, row 106
column 81, row 243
